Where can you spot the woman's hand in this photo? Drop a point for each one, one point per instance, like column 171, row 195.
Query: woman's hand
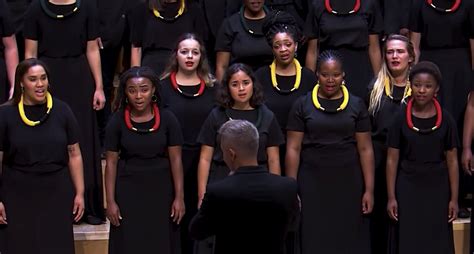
column 466, row 160
column 113, row 213
column 98, row 100
column 392, row 209
column 78, row 209
column 177, row 210
column 367, row 202
column 453, row 210
column 3, row 214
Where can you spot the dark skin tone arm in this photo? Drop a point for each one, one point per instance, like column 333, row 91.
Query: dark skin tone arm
column 177, row 208
column 113, row 210
column 393, row 155
column 453, row 173
column 293, row 150
column 468, row 131
column 366, row 154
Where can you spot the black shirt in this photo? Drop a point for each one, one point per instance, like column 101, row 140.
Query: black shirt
column 351, row 31
column 66, row 37
column 6, row 24
column 38, row 149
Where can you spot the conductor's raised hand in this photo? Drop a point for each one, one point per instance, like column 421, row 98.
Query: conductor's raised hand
column 78, row 209
column 177, row 210
column 3, row 214
column 98, row 102
column 113, row 213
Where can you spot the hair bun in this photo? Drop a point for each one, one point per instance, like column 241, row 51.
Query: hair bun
column 278, row 18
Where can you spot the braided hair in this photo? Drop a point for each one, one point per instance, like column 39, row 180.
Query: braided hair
column 328, row 55
column 280, row 22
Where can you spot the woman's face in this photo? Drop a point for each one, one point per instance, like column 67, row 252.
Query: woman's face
column 188, row 55
column 241, row 88
column 397, row 57
column 330, row 76
column 284, row 48
column 254, row 5
column 139, row 92
column 35, row 85
column 424, row 87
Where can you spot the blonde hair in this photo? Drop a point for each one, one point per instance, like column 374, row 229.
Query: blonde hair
column 384, row 74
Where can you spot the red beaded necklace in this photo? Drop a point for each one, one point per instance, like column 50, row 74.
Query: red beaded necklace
column 327, row 4
column 452, row 9
column 128, row 122
column 175, row 86
column 439, row 117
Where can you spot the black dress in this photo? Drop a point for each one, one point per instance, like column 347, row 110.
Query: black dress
column 244, row 47
column 349, row 34
column 158, row 37
column 37, row 190
column 270, row 135
column 191, row 113
column 381, row 122
column 422, row 185
column 144, row 186
column 396, row 14
column 18, row 9
column 330, row 176
column 445, row 41
column 62, row 45
column 6, row 30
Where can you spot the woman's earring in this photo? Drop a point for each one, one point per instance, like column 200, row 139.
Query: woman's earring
column 154, row 98
column 126, row 100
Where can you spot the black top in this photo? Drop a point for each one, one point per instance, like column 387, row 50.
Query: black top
column 6, row 24
column 38, row 149
column 423, row 148
column 250, row 49
column 191, row 112
column 323, row 129
column 383, row 118
column 18, row 9
column 152, row 33
column 143, row 151
column 349, row 31
column 396, row 14
column 443, row 30
column 268, row 129
column 66, row 37
column 280, row 103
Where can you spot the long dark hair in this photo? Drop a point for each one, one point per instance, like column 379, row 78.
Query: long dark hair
column 136, row 72
column 224, row 98
column 21, row 69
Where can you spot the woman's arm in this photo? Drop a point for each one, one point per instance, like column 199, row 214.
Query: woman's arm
column 471, row 43
column 93, row 57
column 204, row 166
column 366, row 155
column 11, row 60
column 293, row 150
column 3, row 213
column 222, row 62
column 177, row 209
column 31, row 49
column 393, row 155
column 467, row 136
column 273, row 160
column 312, row 54
column 415, row 40
column 136, row 56
column 113, row 211
column 374, row 53
column 452, row 162
column 77, row 175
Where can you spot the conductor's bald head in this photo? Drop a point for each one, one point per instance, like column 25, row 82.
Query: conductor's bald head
column 239, row 143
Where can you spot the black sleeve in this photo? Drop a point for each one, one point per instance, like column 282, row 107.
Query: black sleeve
column 203, row 224
column 395, row 132
column 296, row 118
column 72, row 127
column 275, row 137
column 113, row 133
column 311, row 26
column 363, row 120
column 30, row 28
column 137, row 24
column 174, row 134
column 375, row 19
column 207, row 135
column 92, row 21
column 451, row 139
column 225, row 37
column 416, row 21
column 6, row 21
